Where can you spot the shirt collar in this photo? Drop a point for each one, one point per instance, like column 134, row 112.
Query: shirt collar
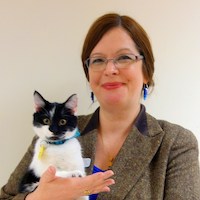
column 140, row 121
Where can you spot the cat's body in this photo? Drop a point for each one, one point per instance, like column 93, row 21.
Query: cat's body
column 56, row 127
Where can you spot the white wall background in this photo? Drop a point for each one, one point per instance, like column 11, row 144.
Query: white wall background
column 40, row 47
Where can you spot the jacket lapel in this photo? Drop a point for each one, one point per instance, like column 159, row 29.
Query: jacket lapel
column 135, row 155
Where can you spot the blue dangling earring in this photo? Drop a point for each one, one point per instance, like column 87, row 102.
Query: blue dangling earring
column 92, row 96
column 145, row 91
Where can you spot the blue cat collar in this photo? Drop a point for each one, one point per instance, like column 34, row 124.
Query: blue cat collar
column 59, row 142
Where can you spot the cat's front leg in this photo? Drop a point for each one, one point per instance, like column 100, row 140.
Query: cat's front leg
column 75, row 173
column 67, row 174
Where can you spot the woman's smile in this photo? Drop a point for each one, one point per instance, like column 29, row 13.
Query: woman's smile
column 112, row 85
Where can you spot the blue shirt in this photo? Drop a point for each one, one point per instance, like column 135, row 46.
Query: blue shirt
column 95, row 170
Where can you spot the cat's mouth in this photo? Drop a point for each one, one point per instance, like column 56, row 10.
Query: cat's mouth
column 54, row 138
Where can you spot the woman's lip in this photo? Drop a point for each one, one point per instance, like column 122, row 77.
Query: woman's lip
column 112, row 85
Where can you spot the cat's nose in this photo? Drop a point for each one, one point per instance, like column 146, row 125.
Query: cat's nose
column 55, row 131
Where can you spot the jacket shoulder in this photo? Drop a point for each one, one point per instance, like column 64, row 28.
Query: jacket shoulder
column 174, row 135
column 177, row 131
column 169, row 128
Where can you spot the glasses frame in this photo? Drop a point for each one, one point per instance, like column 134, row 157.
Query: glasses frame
column 137, row 58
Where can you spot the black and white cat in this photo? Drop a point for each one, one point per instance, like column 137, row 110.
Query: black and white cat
column 56, row 127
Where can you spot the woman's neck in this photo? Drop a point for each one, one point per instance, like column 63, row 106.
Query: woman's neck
column 113, row 131
column 117, row 121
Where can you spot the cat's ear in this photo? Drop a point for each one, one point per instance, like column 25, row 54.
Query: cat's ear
column 39, row 101
column 72, row 103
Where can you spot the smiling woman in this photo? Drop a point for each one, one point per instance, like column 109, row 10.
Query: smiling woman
column 119, row 64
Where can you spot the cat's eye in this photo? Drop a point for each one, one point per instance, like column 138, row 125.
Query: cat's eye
column 46, row 121
column 62, row 122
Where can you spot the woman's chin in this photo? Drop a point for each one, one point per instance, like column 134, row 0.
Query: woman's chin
column 114, row 100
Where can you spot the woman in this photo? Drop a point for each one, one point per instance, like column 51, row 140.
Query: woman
column 151, row 159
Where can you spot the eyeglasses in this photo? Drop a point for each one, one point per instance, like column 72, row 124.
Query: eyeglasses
column 120, row 62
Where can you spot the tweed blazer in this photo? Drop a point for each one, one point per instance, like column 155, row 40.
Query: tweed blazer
column 158, row 160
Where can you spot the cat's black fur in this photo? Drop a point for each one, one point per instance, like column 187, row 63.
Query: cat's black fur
column 28, row 178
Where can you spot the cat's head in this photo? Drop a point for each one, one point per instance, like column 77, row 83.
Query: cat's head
column 55, row 121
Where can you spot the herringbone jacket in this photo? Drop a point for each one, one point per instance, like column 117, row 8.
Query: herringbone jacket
column 158, row 160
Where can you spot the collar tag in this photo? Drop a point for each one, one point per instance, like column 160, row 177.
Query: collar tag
column 41, row 151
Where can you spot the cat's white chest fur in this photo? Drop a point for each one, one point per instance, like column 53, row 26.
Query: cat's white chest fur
column 65, row 157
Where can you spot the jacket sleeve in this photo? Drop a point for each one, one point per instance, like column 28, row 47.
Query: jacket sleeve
column 10, row 190
column 182, row 175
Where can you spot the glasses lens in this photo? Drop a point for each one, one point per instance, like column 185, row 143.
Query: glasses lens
column 125, row 60
column 97, row 63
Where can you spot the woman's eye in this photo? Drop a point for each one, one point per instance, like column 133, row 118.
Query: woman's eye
column 97, row 61
column 124, row 58
column 46, row 121
column 62, row 122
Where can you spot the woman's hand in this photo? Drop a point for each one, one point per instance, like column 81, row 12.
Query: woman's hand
column 52, row 187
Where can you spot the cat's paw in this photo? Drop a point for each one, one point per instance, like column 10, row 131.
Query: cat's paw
column 67, row 174
column 77, row 173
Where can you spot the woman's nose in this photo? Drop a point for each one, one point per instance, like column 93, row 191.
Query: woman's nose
column 111, row 69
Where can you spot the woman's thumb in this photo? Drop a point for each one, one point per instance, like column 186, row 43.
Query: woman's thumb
column 49, row 175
